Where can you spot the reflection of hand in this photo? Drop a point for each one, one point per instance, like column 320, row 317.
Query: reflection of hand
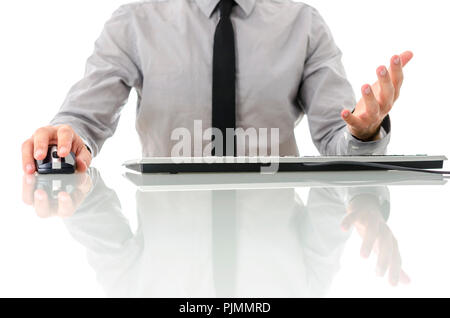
column 364, row 213
column 62, row 204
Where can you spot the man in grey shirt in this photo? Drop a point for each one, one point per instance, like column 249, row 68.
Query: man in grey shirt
column 287, row 65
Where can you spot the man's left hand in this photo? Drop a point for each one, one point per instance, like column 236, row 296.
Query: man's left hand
column 377, row 101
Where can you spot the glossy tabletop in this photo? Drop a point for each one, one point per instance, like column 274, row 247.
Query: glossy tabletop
column 117, row 233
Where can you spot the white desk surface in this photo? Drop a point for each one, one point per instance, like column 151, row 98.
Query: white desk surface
column 225, row 235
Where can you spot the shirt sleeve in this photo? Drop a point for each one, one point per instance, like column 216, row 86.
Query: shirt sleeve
column 92, row 106
column 325, row 91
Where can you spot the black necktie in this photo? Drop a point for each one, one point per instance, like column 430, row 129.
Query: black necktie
column 224, row 79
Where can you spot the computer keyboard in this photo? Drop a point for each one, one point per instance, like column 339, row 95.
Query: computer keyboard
column 281, row 164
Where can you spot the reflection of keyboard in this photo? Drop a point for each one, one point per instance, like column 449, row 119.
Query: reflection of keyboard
column 283, row 164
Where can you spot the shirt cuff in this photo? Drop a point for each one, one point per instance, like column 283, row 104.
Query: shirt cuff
column 375, row 194
column 357, row 147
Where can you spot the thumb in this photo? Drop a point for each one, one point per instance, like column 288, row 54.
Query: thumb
column 349, row 220
column 406, row 57
column 349, row 118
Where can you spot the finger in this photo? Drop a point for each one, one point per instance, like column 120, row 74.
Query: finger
column 349, row 220
column 65, row 205
column 406, row 57
column 404, row 278
column 369, row 239
column 28, row 183
column 372, row 106
column 351, row 119
column 41, row 140
column 77, row 197
column 84, row 186
column 28, row 157
column 41, row 204
column 386, row 97
column 396, row 72
column 85, row 183
column 65, row 139
column 395, row 266
column 385, row 254
column 81, row 151
column 83, row 159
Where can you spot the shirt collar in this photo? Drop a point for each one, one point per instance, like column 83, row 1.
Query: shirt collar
column 208, row 6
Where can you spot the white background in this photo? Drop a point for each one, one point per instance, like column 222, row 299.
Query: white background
column 44, row 46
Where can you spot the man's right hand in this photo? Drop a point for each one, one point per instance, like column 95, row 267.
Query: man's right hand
column 64, row 137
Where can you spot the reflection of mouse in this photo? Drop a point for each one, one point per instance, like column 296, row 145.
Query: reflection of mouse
column 54, row 185
column 53, row 164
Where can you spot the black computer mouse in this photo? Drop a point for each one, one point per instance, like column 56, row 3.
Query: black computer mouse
column 53, row 164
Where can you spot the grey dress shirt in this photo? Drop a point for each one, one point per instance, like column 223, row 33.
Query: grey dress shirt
column 288, row 65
